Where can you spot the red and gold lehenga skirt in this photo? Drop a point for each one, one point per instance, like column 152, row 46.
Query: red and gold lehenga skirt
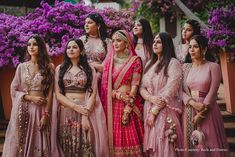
column 127, row 139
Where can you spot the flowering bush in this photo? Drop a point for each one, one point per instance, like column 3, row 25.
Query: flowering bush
column 11, row 40
column 56, row 24
column 222, row 31
column 221, row 18
column 161, row 8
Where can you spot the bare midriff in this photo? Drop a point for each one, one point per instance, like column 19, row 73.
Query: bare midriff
column 72, row 96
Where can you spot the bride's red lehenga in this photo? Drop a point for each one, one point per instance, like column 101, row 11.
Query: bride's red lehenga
column 124, row 140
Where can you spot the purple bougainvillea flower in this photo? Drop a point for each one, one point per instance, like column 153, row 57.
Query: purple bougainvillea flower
column 56, row 24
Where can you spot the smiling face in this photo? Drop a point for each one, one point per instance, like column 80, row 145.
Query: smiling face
column 73, row 51
column 32, row 47
column 157, row 45
column 187, row 32
column 138, row 29
column 91, row 27
column 118, row 43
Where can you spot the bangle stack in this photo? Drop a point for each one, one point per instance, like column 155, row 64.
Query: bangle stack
column 130, row 105
column 148, row 97
column 154, row 110
column 89, row 111
column 23, row 97
column 190, row 99
column 46, row 113
column 116, row 94
column 120, row 96
column 126, row 110
column 131, row 101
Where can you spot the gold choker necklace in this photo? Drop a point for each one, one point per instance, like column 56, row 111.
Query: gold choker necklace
column 125, row 55
column 122, row 57
column 120, row 60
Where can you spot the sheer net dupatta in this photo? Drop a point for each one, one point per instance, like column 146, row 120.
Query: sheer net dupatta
column 11, row 143
column 98, row 121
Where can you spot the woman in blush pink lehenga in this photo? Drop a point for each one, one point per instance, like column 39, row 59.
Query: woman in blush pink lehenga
column 121, row 101
column 96, row 41
column 160, row 88
column 191, row 27
column 143, row 39
column 28, row 132
column 78, row 122
column 202, row 121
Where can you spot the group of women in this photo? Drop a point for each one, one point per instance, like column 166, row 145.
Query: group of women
column 129, row 96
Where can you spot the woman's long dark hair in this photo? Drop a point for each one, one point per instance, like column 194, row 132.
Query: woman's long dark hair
column 168, row 52
column 44, row 64
column 82, row 64
column 147, row 36
column 102, row 29
column 195, row 25
column 202, row 42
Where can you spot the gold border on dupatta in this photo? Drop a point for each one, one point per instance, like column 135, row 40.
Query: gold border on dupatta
column 123, row 71
column 110, row 112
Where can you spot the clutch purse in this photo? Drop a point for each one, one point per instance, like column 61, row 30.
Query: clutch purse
column 198, row 139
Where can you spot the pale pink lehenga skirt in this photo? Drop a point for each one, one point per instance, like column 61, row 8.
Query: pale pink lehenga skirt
column 23, row 136
column 70, row 140
column 73, row 140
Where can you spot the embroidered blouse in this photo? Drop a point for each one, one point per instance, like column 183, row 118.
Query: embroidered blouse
column 75, row 81
column 94, row 49
column 29, row 82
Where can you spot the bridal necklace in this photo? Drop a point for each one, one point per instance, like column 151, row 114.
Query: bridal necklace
column 121, row 59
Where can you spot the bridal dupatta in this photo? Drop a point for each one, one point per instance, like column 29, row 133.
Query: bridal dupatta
column 114, row 108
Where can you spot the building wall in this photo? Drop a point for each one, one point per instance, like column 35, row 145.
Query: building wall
column 16, row 11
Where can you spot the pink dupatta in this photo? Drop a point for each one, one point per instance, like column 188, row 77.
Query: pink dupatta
column 10, row 148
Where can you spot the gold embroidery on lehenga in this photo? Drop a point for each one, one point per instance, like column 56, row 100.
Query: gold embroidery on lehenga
column 73, row 141
column 86, row 146
column 69, row 138
column 128, row 151
column 41, row 153
column 188, row 108
column 23, row 119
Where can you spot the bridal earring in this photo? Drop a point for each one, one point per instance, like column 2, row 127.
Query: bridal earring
column 126, row 51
